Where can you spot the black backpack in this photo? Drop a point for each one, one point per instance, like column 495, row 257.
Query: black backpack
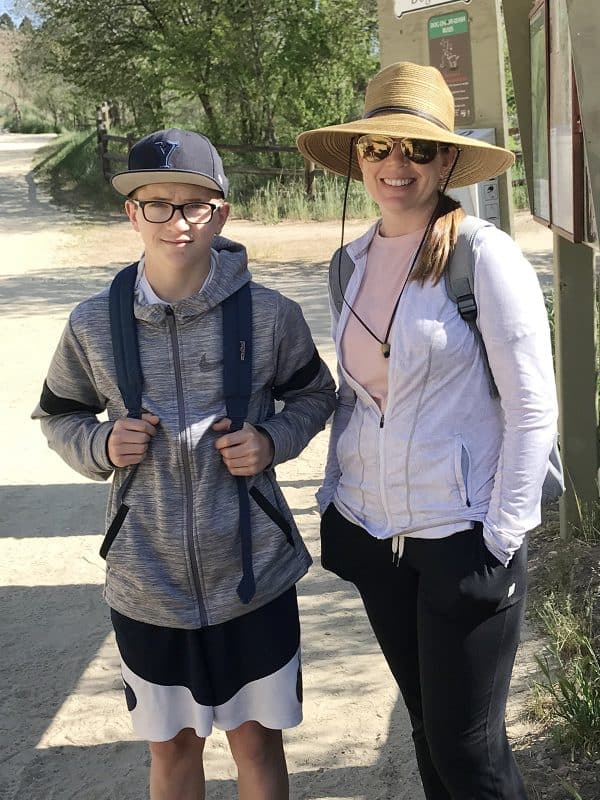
column 237, row 380
column 460, row 286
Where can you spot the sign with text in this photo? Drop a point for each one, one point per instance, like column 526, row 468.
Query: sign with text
column 406, row 6
column 450, row 52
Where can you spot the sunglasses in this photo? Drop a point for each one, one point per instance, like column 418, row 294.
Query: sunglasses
column 376, row 148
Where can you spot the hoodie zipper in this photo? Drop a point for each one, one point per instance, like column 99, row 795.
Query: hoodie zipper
column 187, row 471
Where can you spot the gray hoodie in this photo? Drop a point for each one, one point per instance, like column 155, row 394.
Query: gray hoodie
column 177, row 558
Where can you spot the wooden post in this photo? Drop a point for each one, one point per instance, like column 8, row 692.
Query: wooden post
column 576, row 372
column 102, row 144
column 99, row 126
column 309, row 177
column 105, row 111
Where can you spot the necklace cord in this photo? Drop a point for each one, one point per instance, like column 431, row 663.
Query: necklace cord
column 339, row 263
column 432, row 220
column 385, row 346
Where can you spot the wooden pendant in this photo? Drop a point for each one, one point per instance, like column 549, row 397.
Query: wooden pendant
column 385, row 349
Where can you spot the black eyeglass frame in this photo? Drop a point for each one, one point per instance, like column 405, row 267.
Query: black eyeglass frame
column 399, row 141
column 174, row 207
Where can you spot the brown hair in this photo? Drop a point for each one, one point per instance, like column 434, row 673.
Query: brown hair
column 440, row 241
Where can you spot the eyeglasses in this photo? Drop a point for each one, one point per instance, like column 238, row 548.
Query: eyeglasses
column 161, row 211
column 376, row 148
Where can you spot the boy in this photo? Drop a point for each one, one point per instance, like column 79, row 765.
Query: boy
column 205, row 634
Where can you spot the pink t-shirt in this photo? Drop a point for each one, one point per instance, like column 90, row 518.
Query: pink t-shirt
column 388, row 263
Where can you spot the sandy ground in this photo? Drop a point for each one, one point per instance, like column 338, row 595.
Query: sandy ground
column 64, row 728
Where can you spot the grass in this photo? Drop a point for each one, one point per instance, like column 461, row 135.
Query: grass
column 70, row 169
column 588, row 529
column 519, row 191
column 573, row 684
column 287, row 199
column 574, row 793
column 567, row 623
column 29, row 120
column 567, row 695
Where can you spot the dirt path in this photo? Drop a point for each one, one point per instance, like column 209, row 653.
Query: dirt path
column 64, row 729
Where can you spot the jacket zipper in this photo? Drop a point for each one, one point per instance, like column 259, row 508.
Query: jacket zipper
column 187, row 472
column 382, row 473
column 380, row 443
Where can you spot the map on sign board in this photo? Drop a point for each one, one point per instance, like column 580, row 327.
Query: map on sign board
column 406, row 6
column 450, row 52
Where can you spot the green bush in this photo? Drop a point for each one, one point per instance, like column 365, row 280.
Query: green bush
column 568, row 692
column 29, row 123
column 70, row 169
column 28, row 119
column 573, row 683
column 71, row 172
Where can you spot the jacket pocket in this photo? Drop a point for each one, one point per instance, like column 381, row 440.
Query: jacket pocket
column 436, row 476
column 273, row 513
column 462, row 468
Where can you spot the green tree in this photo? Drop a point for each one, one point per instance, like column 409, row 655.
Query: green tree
column 47, row 94
column 26, row 26
column 6, row 23
column 253, row 71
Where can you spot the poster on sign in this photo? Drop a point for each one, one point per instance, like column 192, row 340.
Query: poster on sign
column 406, row 6
column 450, row 52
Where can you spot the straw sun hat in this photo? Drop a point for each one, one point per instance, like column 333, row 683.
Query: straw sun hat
column 412, row 101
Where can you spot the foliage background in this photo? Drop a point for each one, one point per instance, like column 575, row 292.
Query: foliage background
column 242, row 71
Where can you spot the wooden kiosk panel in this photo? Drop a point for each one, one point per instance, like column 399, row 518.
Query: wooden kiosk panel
column 557, row 140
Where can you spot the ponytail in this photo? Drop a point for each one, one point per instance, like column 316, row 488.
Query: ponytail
column 440, row 241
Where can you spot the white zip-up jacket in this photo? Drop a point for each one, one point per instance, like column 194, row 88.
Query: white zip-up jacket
column 446, row 451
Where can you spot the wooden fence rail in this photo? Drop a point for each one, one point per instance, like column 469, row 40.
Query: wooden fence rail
column 109, row 157
column 310, row 171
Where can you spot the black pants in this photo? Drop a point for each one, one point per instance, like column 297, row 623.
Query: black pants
column 447, row 616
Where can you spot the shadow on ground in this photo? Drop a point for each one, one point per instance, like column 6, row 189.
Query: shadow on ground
column 45, row 292
column 76, row 510
column 62, row 629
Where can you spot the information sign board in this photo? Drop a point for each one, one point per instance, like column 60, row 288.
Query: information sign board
column 450, row 52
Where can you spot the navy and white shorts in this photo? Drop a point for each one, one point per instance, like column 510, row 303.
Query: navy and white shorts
column 246, row 669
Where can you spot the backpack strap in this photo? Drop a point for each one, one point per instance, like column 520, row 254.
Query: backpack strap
column 237, row 355
column 237, row 382
column 459, row 276
column 123, row 329
column 341, row 268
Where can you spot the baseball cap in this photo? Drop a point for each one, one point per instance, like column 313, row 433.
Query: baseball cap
column 172, row 156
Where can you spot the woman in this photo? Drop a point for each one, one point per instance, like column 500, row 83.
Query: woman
column 433, row 480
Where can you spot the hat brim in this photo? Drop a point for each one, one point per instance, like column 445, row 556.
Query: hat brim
column 127, row 182
column 332, row 147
